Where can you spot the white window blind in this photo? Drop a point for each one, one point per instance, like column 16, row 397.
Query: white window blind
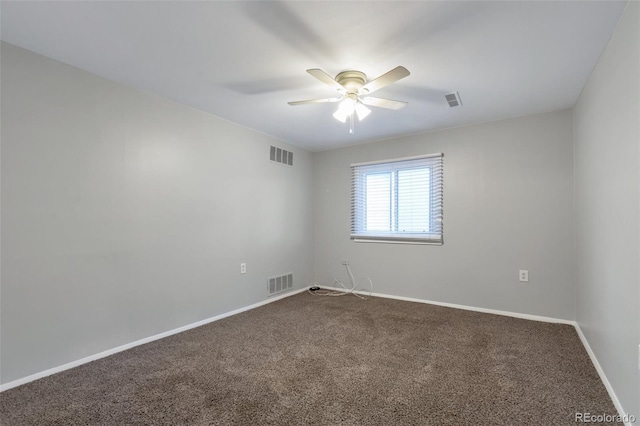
column 398, row 200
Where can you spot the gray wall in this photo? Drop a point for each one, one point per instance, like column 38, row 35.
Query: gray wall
column 607, row 206
column 125, row 215
column 507, row 206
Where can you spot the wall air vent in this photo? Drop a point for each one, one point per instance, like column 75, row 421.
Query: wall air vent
column 453, row 99
column 282, row 156
column 279, row 284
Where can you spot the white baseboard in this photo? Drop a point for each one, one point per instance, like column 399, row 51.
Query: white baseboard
column 465, row 307
column 603, row 377
column 67, row 366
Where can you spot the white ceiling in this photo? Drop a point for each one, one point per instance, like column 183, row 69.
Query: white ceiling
column 243, row 61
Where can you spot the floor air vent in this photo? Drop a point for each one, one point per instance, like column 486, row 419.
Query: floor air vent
column 279, row 155
column 279, row 284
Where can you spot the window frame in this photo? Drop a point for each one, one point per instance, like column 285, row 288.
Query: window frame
column 359, row 173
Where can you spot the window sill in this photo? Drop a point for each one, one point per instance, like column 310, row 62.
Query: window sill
column 398, row 241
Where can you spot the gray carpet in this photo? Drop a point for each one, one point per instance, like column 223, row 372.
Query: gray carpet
column 326, row 361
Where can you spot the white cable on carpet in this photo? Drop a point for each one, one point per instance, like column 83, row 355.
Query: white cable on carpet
column 344, row 290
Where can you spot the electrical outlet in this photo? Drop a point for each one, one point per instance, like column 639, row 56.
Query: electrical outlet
column 345, row 262
column 243, row 268
column 524, row 275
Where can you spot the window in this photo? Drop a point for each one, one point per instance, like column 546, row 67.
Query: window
column 398, row 200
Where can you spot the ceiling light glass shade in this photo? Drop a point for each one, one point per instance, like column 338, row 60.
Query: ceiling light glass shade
column 340, row 116
column 362, row 111
column 345, row 109
column 348, row 106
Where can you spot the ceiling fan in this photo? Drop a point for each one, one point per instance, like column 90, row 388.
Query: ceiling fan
column 354, row 92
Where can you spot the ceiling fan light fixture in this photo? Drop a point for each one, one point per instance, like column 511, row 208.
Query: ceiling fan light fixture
column 346, row 108
column 340, row 115
column 362, row 111
column 352, row 84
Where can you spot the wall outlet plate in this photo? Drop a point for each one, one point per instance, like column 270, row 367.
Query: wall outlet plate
column 243, row 268
column 524, row 275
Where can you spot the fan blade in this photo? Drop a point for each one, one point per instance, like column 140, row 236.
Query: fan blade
column 325, row 78
column 383, row 103
column 385, row 79
column 314, row 101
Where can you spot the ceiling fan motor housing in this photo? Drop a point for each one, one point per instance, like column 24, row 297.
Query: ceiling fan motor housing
column 351, row 80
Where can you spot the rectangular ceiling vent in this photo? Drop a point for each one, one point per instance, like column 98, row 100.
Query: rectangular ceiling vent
column 453, row 99
column 279, row 284
column 282, row 156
